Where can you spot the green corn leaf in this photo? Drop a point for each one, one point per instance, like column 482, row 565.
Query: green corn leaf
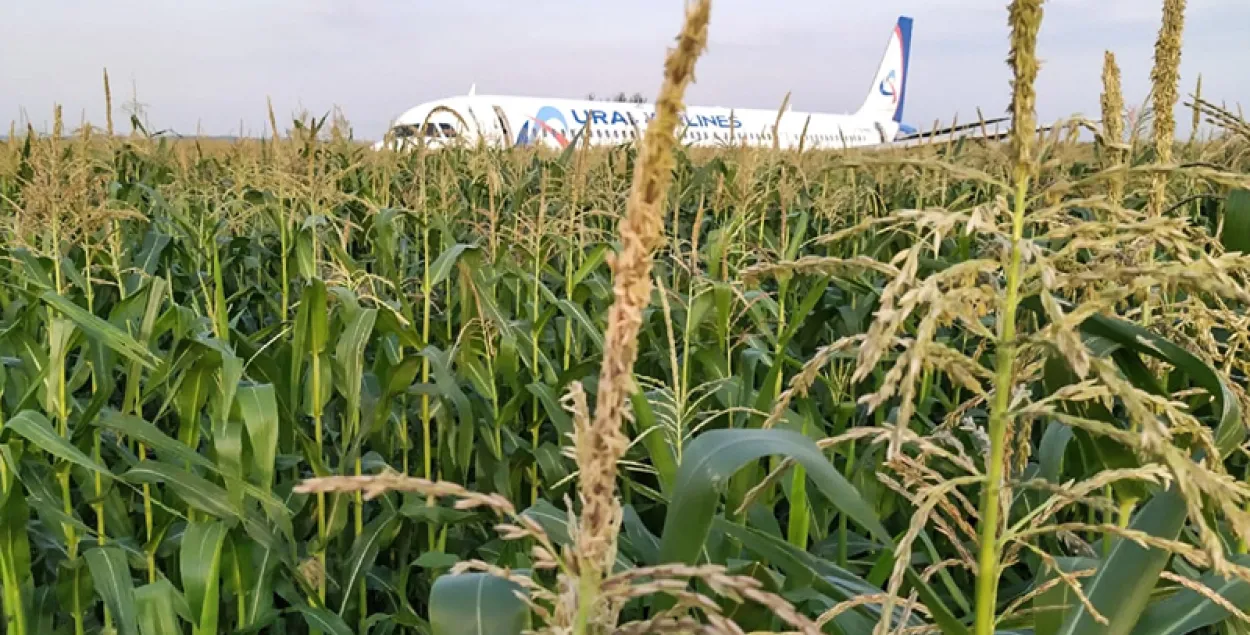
column 476, row 604
column 324, row 621
column 43, row 495
column 653, row 438
column 802, row 569
column 645, row 543
column 1054, row 445
column 33, row 269
column 228, row 448
column 713, row 457
column 1122, row 586
column 576, row 314
column 196, row 491
column 1228, row 411
column 200, row 562
column 41, row 611
column 1229, row 430
column 257, row 406
column 1051, row 605
column 446, row 261
column 1188, row 611
column 103, row 331
column 154, row 297
column 711, row 460
column 449, row 389
column 165, row 447
column 551, row 462
column 350, row 348
column 555, row 522
column 557, row 415
column 378, row 532
column 1236, row 232
column 111, row 574
column 156, row 604
column 169, row 451
column 318, row 326
column 593, row 259
column 305, row 249
column 36, row 428
column 768, row 394
column 16, row 578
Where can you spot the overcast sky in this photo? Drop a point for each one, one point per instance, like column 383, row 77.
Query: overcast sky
column 211, row 64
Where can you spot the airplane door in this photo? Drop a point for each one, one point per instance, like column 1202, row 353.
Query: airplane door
column 503, row 125
column 477, row 123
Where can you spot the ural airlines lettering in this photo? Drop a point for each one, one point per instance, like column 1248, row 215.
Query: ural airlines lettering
column 615, row 117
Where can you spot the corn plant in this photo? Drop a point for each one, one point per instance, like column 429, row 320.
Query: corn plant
column 292, row 385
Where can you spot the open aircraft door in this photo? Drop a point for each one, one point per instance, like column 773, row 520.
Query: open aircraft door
column 477, row 125
column 504, row 128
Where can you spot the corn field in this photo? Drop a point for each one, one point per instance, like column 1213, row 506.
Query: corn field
column 291, row 385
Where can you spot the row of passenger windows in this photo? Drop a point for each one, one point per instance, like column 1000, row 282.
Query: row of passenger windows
column 698, row 135
column 446, row 130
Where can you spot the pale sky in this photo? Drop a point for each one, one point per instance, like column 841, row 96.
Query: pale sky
column 212, row 63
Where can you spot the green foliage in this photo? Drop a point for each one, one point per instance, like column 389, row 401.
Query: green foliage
column 476, row 604
column 187, row 332
column 1236, row 231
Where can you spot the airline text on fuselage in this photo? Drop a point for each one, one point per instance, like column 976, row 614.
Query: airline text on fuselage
column 614, row 117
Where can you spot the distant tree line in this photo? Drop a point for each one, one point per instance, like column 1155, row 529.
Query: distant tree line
column 621, row 97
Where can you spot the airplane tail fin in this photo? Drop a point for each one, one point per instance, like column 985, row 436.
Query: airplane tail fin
column 889, row 87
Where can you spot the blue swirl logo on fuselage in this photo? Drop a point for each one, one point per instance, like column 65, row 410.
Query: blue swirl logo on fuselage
column 543, row 122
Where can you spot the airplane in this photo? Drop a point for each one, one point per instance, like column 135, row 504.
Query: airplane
column 504, row 121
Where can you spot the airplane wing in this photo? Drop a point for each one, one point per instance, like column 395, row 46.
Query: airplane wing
column 989, row 129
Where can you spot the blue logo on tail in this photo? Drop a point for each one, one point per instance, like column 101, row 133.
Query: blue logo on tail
column 888, row 88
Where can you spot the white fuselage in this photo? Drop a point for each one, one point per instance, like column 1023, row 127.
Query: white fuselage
column 504, row 121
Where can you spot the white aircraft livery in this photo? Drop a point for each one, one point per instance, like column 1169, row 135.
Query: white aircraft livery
column 504, row 121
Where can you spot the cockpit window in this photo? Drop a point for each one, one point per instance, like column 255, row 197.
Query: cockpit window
column 448, row 130
column 403, row 132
